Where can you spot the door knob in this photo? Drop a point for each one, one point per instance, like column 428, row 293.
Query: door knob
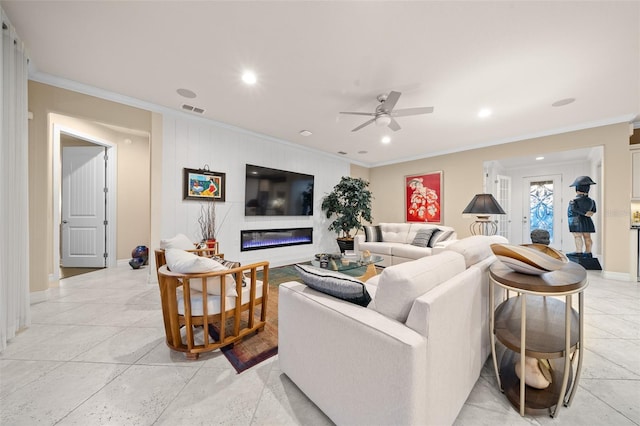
column 65, row 221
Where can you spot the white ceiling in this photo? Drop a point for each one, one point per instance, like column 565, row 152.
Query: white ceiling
column 314, row 59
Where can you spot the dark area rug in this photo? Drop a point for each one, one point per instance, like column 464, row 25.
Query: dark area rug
column 262, row 345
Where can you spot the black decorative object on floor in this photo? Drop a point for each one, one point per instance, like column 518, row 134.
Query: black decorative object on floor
column 586, row 260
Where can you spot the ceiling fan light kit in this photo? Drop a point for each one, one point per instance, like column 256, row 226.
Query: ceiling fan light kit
column 383, row 120
column 384, row 114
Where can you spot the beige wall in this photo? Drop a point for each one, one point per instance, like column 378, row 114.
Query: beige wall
column 463, row 178
column 134, row 196
column 360, row 172
column 82, row 109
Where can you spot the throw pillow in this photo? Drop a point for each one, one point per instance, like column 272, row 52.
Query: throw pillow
column 373, row 233
column 184, row 262
column 226, row 263
column 439, row 235
column 180, row 241
column 335, row 284
column 422, row 238
column 230, row 264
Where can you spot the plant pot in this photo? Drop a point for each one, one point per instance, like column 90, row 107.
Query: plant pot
column 211, row 243
column 345, row 244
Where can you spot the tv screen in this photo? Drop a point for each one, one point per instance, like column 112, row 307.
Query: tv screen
column 273, row 192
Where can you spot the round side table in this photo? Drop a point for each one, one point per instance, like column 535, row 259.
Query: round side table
column 533, row 324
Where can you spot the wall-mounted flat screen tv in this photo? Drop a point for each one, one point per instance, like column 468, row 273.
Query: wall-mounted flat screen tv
column 273, row 192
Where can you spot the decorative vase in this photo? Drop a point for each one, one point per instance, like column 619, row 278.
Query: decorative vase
column 141, row 252
column 211, row 243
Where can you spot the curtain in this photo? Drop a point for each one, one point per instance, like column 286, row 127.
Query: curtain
column 14, row 186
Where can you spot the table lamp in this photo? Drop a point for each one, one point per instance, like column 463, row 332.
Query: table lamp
column 482, row 206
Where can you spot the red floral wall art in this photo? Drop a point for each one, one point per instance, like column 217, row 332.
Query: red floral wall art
column 423, row 198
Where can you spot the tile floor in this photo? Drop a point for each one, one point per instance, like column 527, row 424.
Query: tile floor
column 95, row 355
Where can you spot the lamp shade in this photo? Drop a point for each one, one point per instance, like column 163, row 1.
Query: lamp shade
column 483, row 204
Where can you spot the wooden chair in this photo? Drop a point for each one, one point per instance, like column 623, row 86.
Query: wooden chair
column 189, row 310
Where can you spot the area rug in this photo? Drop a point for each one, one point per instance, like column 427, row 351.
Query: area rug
column 263, row 345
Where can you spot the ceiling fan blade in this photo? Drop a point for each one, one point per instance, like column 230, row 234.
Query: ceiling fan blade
column 393, row 125
column 366, row 123
column 359, row 113
column 391, row 101
column 412, row 111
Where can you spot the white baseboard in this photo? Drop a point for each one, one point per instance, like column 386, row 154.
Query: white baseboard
column 38, row 296
column 619, row 276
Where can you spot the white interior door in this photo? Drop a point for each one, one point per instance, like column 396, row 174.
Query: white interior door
column 542, row 207
column 83, row 210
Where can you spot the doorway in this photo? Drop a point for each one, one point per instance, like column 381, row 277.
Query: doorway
column 542, row 208
column 109, row 246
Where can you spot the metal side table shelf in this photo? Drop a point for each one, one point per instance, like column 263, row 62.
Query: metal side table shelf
column 530, row 323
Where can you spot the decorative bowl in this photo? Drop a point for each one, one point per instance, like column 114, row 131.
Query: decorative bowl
column 532, row 259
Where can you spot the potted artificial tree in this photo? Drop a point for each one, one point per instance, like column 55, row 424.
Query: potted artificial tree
column 350, row 205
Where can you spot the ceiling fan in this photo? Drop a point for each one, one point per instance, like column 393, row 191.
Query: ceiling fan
column 384, row 115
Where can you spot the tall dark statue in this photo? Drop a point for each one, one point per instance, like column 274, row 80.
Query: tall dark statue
column 580, row 211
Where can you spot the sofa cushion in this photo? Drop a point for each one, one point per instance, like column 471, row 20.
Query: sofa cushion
column 213, row 301
column 440, row 235
column 410, row 251
column 400, row 285
column 184, row 262
column 180, row 241
column 373, row 233
column 422, row 237
column 474, row 249
column 335, row 284
column 395, row 232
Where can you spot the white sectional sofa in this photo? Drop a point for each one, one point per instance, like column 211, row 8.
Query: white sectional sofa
column 395, row 241
column 411, row 357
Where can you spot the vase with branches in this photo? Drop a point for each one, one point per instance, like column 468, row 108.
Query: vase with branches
column 207, row 221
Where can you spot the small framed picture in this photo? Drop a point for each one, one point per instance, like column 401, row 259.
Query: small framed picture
column 203, row 185
column 423, row 198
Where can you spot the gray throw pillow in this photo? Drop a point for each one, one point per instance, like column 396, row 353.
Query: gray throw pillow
column 335, row 284
column 439, row 235
column 422, row 238
column 373, row 233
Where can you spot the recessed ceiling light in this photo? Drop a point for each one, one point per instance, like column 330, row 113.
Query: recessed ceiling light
column 539, row 158
column 362, row 152
column 386, row 139
column 563, row 102
column 305, row 133
column 484, row 113
column 249, row 77
column 186, row 93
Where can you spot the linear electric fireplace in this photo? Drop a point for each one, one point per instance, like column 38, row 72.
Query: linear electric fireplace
column 258, row 239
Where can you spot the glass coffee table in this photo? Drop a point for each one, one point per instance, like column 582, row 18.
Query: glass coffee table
column 360, row 268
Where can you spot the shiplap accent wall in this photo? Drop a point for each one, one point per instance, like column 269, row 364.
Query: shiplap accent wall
column 194, row 143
